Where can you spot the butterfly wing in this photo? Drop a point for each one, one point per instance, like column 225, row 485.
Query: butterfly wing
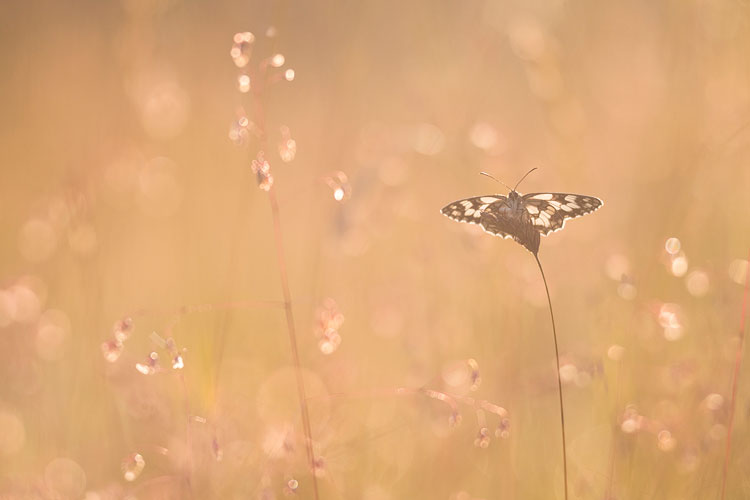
column 549, row 211
column 494, row 214
column 503, row 221
column 470, row 210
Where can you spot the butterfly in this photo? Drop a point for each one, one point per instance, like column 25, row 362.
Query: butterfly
column 523, row 217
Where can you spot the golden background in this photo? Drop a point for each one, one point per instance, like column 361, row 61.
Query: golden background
column 127, row 192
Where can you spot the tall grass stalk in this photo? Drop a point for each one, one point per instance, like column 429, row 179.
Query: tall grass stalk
column 293, row 338
column 258, row 94
column 735, row 376
column 559, row 381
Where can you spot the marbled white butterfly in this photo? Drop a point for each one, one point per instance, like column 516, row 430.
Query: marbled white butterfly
column 523, row 217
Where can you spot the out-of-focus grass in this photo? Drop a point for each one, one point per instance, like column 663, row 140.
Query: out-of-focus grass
column 122, row 195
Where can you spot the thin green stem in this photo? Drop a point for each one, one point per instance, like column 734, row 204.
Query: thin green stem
column 559, row 381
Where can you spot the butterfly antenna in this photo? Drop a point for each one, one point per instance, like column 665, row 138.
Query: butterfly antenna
column 522, row 178
column 494, row 179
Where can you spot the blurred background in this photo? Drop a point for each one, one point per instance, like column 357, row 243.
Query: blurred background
column 144, row 351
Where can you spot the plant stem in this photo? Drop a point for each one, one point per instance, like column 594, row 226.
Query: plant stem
column 260, row 116
column 293, row 339
column 735, row 376
column 559, row 382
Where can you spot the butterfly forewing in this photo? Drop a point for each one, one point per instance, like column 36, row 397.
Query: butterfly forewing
column 549, row 211
column 470, row 210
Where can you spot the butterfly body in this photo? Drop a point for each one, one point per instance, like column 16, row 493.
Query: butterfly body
column 524, row 218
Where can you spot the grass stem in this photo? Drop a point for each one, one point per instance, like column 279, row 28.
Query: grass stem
column 559, row 381
column 293, row 338
column 735, row 376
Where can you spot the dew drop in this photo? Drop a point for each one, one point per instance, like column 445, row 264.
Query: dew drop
column 277, row 60
column 679, row 265
column 672, row 246
column 339, row 183
column 243, row 83
column 132, row 466
column 178, row 363
column 244, row 36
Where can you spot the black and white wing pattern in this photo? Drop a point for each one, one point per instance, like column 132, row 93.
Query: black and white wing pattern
column 497, row 215
column 522, row 217
column 470, row 210
column 549, row 211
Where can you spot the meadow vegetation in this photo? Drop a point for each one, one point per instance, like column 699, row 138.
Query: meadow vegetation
column 224, row 273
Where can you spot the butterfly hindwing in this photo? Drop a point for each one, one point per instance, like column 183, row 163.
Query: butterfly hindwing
column 549, row 211
column 498, row 221
column 470, row 209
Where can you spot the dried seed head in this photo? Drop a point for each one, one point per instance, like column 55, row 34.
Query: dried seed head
column 122, row 329
column 476, row 380
column 339, row 183
column 111, row 350
column 262, row 171
column 242, row 48
column 328, row 321
column 287, row 145
column 150, row 365
column 483, row 438
column 503, row 428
